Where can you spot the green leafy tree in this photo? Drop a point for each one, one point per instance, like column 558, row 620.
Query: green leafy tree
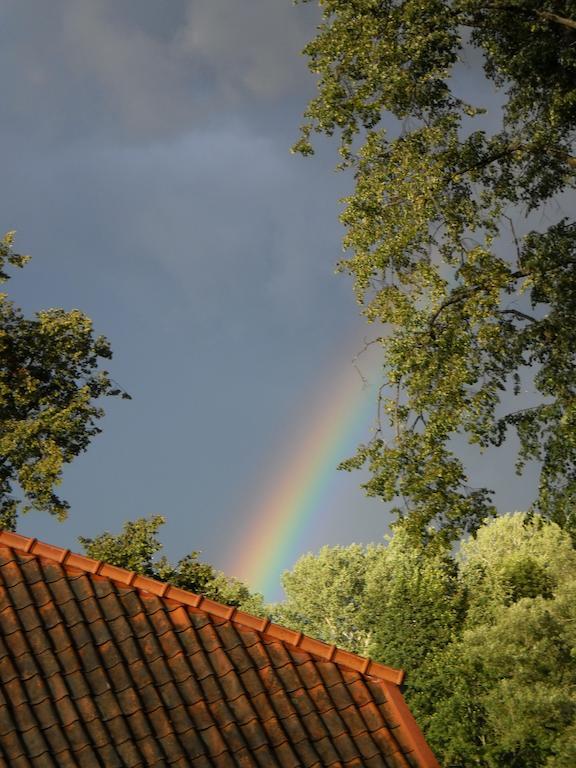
column 487, row 637
column 49, row 382
column 415, row 607
column 444, row 243
column 326, row 595
column 397, row 603
column 137, row 548
column 505, row 691
column 511, row 558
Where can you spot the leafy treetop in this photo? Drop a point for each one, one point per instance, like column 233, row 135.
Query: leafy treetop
column 137, row 547
column 486, row 637
column 444, row 243
column 49, row 380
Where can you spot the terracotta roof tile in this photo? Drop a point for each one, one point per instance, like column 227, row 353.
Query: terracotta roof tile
column 346, row 748
column 35, row 742
column 253, row 732
column 100, row 666
column 366, row 745
column 372, row 716
column 55, row 737
column 234, row 738
column 354, row 722
column 21, row 761
column 286, row 756
column 192, row 743
column 16, row 694
column 11, row 742
column 133, row 754
column 170, row 696
column 306, row 752
column 325, row 748
column 201, row 666
column 390, row 749
column 212, row 738
column 333, row 722
column 130, row 651
column 221, row 761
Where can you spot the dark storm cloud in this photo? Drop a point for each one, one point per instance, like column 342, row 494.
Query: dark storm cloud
column 242, row 227
column 135, row 128
column 145, row 69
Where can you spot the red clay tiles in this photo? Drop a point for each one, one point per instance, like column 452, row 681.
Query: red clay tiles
column 100, row 666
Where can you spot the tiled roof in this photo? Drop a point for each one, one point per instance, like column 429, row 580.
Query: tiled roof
column 103, row 667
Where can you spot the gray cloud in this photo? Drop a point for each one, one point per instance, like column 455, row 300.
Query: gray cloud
column 146, row 70
column 231, row 218
column 249, row 46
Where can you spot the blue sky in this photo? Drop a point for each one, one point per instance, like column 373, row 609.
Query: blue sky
column 146, row 166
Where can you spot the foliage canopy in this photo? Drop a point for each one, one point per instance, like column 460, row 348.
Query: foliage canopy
column 137, row 548
column 487, row 638
column 444, row 241
column 49, row 380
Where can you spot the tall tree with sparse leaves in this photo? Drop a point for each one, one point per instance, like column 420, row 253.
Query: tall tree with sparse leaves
column 454, row 239
column 49, row 382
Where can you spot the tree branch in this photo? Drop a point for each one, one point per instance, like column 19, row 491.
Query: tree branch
column 465, row 293
column 489, row 159
column 517, row 313
column 462, row 295
column 562, row 20
column 517, row 9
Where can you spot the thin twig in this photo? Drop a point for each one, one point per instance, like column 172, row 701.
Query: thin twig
column 517, row 313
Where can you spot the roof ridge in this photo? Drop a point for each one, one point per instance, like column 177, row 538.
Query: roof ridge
column 324, row 651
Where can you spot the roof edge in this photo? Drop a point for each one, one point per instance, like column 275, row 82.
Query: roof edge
column 406, row 721
column 323, row 651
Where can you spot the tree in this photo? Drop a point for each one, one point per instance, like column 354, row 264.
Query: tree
column 415, row 608
column 136, row 549
column 506, row 695
column 505, row 690
column 397, row 603
column 326, row 595
column 511, row 558
column 486, row 637
column 49, row 381
column 478, row 298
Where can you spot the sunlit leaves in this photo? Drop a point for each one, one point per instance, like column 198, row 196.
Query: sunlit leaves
column 137, row 548
column 486, row 637
column 469, row 299
column 49, row 380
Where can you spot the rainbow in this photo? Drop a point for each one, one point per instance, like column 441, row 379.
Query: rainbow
column 300, row 483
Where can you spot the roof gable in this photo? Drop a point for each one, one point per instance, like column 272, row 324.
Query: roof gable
column 101, row 666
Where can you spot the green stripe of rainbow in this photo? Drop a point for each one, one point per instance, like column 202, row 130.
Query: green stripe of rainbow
column 300, row 487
